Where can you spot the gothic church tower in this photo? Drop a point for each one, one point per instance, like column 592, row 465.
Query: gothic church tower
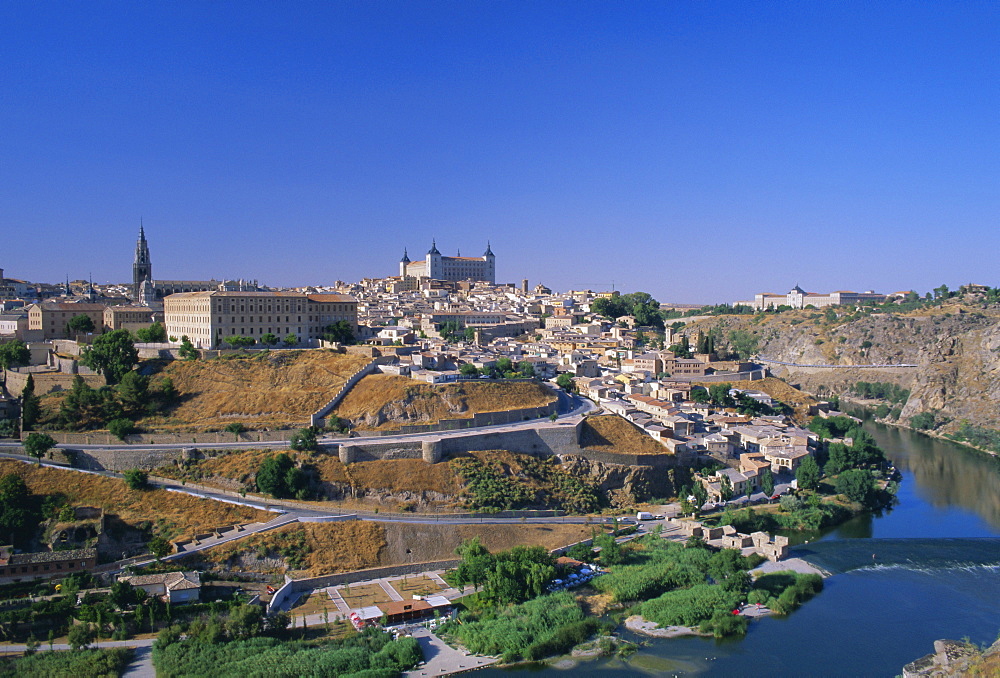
column 142, row 267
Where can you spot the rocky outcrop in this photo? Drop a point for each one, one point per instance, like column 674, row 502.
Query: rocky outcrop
column 956, row 349
column 625, row 485
column 955, row 658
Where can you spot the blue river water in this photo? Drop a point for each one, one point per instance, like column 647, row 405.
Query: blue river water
column 935, row 574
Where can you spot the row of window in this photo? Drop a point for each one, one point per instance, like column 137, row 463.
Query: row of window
column 23, row 569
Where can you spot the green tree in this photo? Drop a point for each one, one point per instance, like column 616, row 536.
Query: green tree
column 37, row 444
column 700, row 395
column 14, row 354
column 121, row 427
column 565, row 382
column 767, row 481
column 304, row 439
column 526, row 369
column 279, row 477
column 133, row 393
column 31, row 405
column 112, row 354
column 154, row 334
column 80, row 636
column 290, row 340
column 743, row 343
column 187, row 351
column 725, row 488
column 269, row 339
column 136, row 479
column 808, row 474
column 239, row 341
column 858, row 485
column 159, row 547
column 80, row 324
column 340, row 332
column 469, row 370
column 235, row 428
column 18, row 520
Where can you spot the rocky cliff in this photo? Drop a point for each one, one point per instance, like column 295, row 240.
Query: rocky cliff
column 955, row 347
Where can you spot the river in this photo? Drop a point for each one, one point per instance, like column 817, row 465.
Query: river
column 935, row 574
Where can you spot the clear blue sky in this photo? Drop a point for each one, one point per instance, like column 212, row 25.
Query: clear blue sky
column 701, row 151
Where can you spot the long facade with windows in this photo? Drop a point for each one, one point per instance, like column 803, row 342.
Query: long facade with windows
column 207, row 318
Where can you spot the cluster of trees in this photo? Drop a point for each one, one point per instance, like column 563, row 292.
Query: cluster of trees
column 340, row 332
column 783, row 592
column 281, row 478
column 95, row 662
column 877, row 390
column 640, row 305
column 548, row 625
column 20, row 511
column 507, row 577
column 366, row 654
column 503, row 368
column 112, row 354
column 116, row 407
column 985, row 438
column 452, row 331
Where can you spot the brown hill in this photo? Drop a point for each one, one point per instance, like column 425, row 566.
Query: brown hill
column 174, row 515
column 325, row 548
column 266, row 389
column 611, row 433
column 386, row 402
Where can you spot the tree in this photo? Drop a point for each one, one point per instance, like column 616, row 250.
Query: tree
column 153, row 334
column 279, row 477
column 239, row 341
column 743, row 343
column 235, row 428
column 767, row 481
column 725, row 488
column 136, row 479
column 700, row 495
column 469, row 370
column 339, row 332
column 14, row 354
column 565, row 382
column 526, row 369
column 941, row 292
column 269, row 339
column 159, row 547
column 31, row 405
column 17, row 519
column 37, row 444
column 700, row 395
column 121, row 427
column 187, row 350
column 856, row 484
column 80, row 324
column 80, row 636
column 304, row 439
column 112, row 354
column 133, row 393
column 290, row 340
column 808, row 474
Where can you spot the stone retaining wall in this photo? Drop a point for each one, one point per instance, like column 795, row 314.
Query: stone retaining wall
column 299, row 585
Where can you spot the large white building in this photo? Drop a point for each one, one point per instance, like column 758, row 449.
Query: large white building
column 799, row 298
column 206, row 318
column 439, row 267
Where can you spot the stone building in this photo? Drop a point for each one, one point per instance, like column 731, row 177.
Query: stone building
column 49, row 319
column 206, row 318
column 439, row 267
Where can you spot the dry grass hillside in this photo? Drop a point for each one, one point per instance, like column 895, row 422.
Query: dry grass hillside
column 327, row 548
column 236, row 470
column 271, row 389
column 174, row 515
column 386, row 402
column 611, row 433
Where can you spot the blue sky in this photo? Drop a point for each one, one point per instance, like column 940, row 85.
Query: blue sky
column 701, row 151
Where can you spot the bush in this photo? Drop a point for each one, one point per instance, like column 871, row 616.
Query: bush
column 304, row 439
column 121, row 427
column 136, row 479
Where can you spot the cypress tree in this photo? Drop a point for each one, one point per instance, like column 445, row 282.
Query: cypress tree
column 30, row 404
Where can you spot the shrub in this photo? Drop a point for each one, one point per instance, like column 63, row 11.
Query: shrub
column 121, row 427
column 136, row 479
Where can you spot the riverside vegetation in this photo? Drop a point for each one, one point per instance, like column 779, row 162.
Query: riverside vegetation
column 668, row 583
